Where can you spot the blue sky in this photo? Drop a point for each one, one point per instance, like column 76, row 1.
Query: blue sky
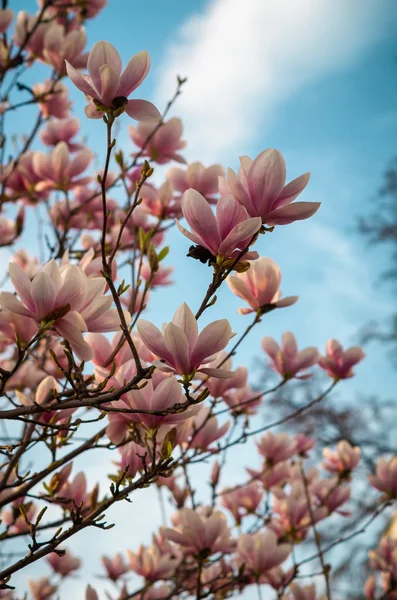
column 317, row 80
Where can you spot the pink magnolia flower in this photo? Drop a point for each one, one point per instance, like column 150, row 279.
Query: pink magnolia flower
column 330, row 494
column 6, row 16
column 260, row 552
column 344, row 460
column 107, row 88
column 61, row 130
column 219, row 387
column 131, row 459
column 58, row 171
column 11, row 230
column 14, row 520
column 242, row 501
column 165, row 395
column 242, row 401
column 385, row 479
column 152, row 562
column 181, row 348
column 53, row 99
column 287, row 360
column 277, row 447
column 164, row 145
column 205, row 430
column 42, row 589
column 224, row 235
column 60, row 45
column 74, row 494
column 384, row 555
column 28, row 263
column 200, row 534
column 159, row 278
column 11, row 325
column 65, row 297
column 160, row 202
column 197, row 177
column 46, row 393
column 23, row 183
column 115, row 567
column 64, row 565
column 30, row 34
column 260, row 188
column 259, row 286
column 272, row 476
column 339, row 363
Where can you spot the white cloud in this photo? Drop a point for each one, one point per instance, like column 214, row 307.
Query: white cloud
column 244, row 56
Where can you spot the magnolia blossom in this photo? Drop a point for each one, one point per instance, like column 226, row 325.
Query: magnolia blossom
column 108, row 88
column 260, row 552
column 42, row 589
column 259, row 286
column 343, row 460
column 205, row 430
column 197, row 177
column 61, row 130
column 65, row 297
column 153, row 563
column 58, row 171
column 277, row 447
column 63, row 564
column 74, row 493
column 164, row 145
column 133, row 459
column 385, row 479
column 260, row 188
column 157, row 398
column 23, row 183
column 60, row 45
column 243, row 400
column 115, row 567
column 46, row 393
column 200, row 534
column 287, row 360
column 219, row 387
column 243, row 500
column 53, row 99
column 181, row 348
column 10, row 230
column 224, row 235
column 339, row 363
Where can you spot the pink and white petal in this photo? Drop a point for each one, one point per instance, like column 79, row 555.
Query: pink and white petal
column 307, row 358
column 43, row 294
column 117, row 428
column 185, row 320
column 80, row 82
column 201, row 219
column 240, row 289
column 74, row 288
column 166, row 394
column 240, row 233
column 109, row 84
column 80, row 162
column 134, row 73
column 229, row 212
column 178, row 347
column 287, row 301
column 192, row 236
column 108, row 321
column 271, row 347
column 289, row 345
column 218, row 373
column 92, row 112
column 292, row 212
column 142, row 110
column 266, row 179
column 102, row 53
column 22, row 284
column 11, row 303
column 291, row 191
column 237, row 189
column 154, row 340
column 212, row 339
column 245, row 311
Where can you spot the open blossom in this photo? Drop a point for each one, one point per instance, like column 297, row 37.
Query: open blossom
column 330, row 494
column 385, row 479
column 260, row 552
column 42, row 589
column 107, row 88
column 197, row 177
column 219, row 387
column 200, row 534
column 61, row 130
column 46, row 393
column 160, row 202
column 60, row 45
column 74, row 493
column 66, row 297
column 115, row 567
column 63, row 564
column 339, row 363
column 287, row 360
column 242, row 400
column 225, row 234
column 159, row 278
column 58, row 170
column 243, row 500
column 343, row 460
column 160, row 397
column 53, row 99
column 23, row 183
column 153, row 563
column 205, row 430
column 259, row 286
column 260, row 188
column 181, row 348
column 133, row 459
column 164, row 145
column 276, row 447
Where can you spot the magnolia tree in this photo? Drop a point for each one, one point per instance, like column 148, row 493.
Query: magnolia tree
column 158, row 403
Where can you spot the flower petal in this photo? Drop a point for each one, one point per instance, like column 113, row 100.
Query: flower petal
column 142, row 110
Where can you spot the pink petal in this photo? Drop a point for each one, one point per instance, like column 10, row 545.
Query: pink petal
column 292, row 190
column 201, row 219
column 43, row 294
column 287, row 301
column 102, row 53
column 11, row 303
column 22, row 284
column 229, row 212
column 240, row 233
column 266, row 179
column 153, row 339
column 109, row 83
column 271, row 347
column 212, row 339
column 185, row 320
column 178, row 347
column 79, row 81
column 135, row 72
column 292, row 212
column 142, row 110
column 192, row 236
column 241, row 289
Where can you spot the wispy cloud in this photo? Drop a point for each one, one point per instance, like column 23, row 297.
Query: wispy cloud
column 242, row 57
